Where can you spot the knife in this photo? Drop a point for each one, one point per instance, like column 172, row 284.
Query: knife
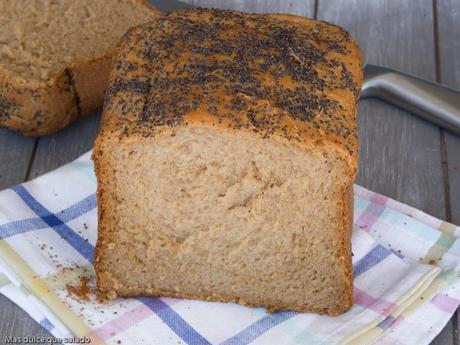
column 430, row 101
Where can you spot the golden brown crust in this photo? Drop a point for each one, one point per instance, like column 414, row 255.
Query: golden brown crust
column 345, row 255
column 272, row 74
column 36, row 107
column 90, row 80
column 42, row 107
column 102, row 204
column 301, row 308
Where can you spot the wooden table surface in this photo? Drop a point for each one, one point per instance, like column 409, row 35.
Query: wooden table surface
column 400, row 156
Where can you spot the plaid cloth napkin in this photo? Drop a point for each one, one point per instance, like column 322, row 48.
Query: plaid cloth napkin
column 406, row 269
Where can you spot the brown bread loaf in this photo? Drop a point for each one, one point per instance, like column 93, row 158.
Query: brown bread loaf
column 55, row 58
column 226, row 160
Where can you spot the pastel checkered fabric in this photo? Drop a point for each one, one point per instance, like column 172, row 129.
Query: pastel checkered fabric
column 406, row 277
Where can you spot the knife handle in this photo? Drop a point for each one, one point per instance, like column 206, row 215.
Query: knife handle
column 430, row 101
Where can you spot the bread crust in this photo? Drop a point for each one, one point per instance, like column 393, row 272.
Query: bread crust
column 131, row 115
column 345, row 255
column 36, row 107
column 134, row 292
column 334, row 103
column 42, row 107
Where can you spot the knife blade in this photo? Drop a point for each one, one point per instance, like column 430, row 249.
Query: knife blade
column 431, row 101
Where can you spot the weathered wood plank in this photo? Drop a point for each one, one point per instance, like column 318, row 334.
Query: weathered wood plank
column 448, row 19
column 453, row 165
column 63, row 147
column 449, row 54
column 446, row 337
column 15, row 153
column 299, row 7
column 167, row 5
column 9, row 325
column 399, row 154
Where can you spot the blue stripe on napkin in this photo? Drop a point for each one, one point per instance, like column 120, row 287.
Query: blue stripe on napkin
column 66, row 215
column 174, row 321
column 75, row 240
column 258, row 328
column 46, row 324
column 371, row 259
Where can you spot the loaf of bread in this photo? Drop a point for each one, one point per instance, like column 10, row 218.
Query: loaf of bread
column 55, row 58
column 226, row 159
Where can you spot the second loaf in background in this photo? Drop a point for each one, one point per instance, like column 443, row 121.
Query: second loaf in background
column 55, row 58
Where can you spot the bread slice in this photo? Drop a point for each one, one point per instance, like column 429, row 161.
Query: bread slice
column 55, row 58
column 226, row 159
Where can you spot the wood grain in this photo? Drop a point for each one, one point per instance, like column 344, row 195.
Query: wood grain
column 448, row 20
column 400, row 154
column 65, row 146
column 15, row 322
column 449, row 54
column 15, row 154
column 167, row 5
column 299, row 7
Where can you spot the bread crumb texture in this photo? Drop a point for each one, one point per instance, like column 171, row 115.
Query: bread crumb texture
column 226, row 159
column 40, row 38
column 55, row 58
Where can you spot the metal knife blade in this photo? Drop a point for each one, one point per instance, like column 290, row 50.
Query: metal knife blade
column 431, row 101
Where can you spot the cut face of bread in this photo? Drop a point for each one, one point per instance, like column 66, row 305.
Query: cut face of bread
column 202, row 213
column 55, row 57
column 226, row 160
column 41, row 38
